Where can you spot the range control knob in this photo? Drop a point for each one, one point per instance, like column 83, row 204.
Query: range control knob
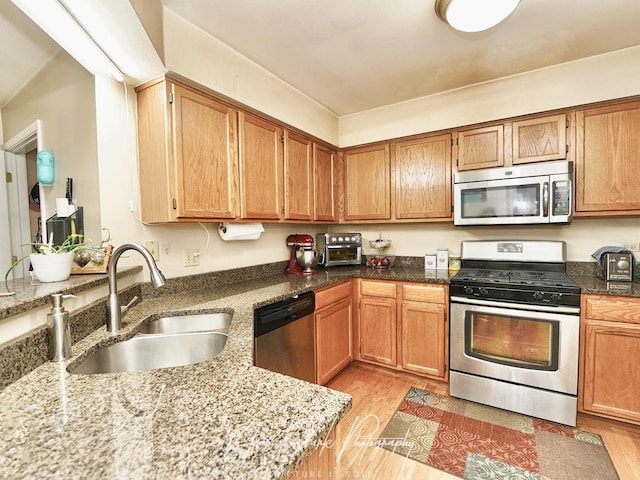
column 538, row 295
column 468, row 290
column 556, row 297
column 483, row 291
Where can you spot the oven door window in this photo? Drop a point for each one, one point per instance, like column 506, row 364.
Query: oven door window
column 514, row 341
column 343, row 254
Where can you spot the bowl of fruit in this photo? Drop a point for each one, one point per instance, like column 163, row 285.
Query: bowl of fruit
column 380, row 261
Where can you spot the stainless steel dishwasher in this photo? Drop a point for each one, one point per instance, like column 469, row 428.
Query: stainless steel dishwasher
column 284, row 337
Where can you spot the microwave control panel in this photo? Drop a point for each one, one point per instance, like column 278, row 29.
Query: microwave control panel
column 561, row 197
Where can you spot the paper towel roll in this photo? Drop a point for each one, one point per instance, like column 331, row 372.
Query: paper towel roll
column 240, row 231
column 62, row 207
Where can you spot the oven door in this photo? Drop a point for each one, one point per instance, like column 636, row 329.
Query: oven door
column 348, row 254
column 511, row 343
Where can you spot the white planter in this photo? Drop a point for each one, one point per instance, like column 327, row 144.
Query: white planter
column 53, row 267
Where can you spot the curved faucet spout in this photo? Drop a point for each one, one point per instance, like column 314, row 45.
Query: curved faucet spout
column 114, row 313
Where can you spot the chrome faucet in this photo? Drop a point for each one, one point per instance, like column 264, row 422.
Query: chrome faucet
column 115, row 312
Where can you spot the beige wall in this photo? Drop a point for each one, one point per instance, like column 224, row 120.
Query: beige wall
column 62, row 96
column 202, row 58
column 583, row 236
column 603, row 77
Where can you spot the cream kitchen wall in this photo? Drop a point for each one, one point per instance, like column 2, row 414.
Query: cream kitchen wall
column 191, row 52
column 583, row 236
column 61, row 95
column 602, row 77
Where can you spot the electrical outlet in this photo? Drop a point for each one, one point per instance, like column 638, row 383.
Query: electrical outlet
column 152, row 246
column 191, row 257
column 633, row 246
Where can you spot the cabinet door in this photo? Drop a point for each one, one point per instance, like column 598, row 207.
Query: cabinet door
column 324, row 166
column 423, row 338
column 260, row 168
column 378, row 330
column 298, row 177
column 334, row 339
column 611, row 374
column 422, row 169
column 540, row 139
column 367, row 183
column 154, row 154
column 205, row 156
column 607, row 173
column 481, row 148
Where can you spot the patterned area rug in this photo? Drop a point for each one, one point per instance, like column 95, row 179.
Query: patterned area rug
column 474, row 442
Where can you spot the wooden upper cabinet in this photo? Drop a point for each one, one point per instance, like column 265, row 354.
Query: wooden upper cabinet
column 422, row 169
column 205, row 133
column 607, row 148
column 261, row 168
column 539, row 139
column 481, row 148
column 367, row 183
column 324, row 165
column 298, row 177
column 188, row 156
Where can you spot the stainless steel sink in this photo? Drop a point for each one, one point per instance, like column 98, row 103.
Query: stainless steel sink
column 148, row 352
column 201, row 322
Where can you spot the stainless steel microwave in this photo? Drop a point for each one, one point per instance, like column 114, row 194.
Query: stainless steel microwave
column 520, row 195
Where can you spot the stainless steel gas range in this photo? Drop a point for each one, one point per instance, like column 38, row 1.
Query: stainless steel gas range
column 514, row 328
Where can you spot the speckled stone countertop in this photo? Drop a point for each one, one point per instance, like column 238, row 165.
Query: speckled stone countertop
column 27, row 296
column 222, row 418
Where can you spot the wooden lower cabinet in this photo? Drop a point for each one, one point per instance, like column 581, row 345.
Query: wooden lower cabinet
column 378, row 330
column 404, row 326
column 610, row 357
column 423, row 330
column 333, row 331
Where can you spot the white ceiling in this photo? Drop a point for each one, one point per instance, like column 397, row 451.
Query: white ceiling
column 353, row 55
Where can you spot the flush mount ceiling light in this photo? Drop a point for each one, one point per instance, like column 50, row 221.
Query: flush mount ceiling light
column 474, row 15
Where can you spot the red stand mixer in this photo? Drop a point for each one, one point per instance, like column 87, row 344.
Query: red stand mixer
column 304, row 258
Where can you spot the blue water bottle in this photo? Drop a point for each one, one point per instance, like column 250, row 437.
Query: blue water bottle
column 45, row 168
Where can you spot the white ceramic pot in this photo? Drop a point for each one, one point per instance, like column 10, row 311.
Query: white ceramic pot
column 53, row 267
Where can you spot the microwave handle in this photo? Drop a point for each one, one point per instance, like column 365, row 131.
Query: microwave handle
column 545, row 199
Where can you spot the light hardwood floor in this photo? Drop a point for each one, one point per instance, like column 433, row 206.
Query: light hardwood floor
column 377, row 392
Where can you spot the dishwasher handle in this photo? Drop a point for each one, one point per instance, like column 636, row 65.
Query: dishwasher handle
column 276, row 315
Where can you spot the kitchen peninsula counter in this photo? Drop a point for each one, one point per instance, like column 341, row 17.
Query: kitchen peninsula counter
column 222, row 418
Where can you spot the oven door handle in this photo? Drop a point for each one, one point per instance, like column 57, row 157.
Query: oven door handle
column 519, row 306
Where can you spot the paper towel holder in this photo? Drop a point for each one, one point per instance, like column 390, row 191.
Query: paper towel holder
column 248, row 231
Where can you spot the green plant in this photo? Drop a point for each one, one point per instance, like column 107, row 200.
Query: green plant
column 71, row 244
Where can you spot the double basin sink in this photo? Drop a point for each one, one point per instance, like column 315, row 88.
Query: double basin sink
column 169, row 341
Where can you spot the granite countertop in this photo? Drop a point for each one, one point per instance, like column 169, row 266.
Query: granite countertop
column 222, row 418
column 592, row 285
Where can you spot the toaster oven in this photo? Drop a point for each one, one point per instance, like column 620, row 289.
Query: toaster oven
column 335, row 249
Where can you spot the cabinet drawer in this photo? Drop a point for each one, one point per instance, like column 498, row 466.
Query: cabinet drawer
column 377, row 289
column 330, row 295
column 615, row 309
column 423, row 293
